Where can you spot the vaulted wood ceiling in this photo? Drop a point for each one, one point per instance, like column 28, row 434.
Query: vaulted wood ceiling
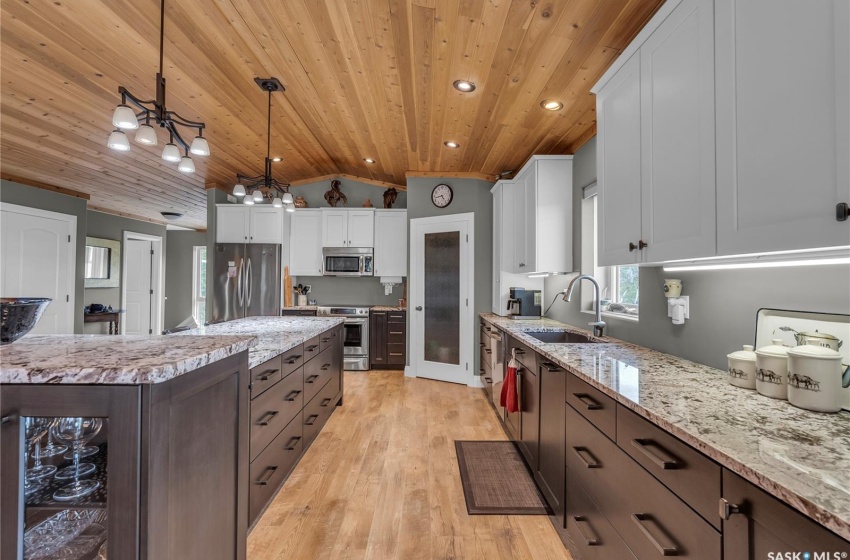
column 364, row 78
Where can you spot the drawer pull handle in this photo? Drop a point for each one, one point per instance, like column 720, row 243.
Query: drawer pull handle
column 326, row 339
column 668, row 463
column 488, row 351
column 666, row 549
column 488, row 380
column 267, row 374
column 396, row 316
column 264, row 481
column 326, row 402
column 293, row 359
column 312, row 347
column 519, row 351
column 399, row 332
column 264, row 421
column 292, row 443
column 550, row 366
column 591, row 540
column 9, row 418
column 727, row 509
column 311, row 379
column 291, row 396
column 593, row 463
column 309, row 422
column 325, row 367
column 587, row 401
column 396, row 354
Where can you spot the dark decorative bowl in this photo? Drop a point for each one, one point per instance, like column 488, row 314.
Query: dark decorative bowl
column 19, row 315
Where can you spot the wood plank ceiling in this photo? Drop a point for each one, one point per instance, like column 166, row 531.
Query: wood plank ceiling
column 364, row 78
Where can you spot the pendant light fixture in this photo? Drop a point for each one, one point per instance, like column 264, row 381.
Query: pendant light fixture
column 125, row 117
column 258, row 188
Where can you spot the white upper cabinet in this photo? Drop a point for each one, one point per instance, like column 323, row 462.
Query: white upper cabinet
column 348, row 228
column 232, row 224
column 266, row 224
column 498, row 196
column 248, row 224
column 678, row 186
column 305, row 242
column 390, row 243
column 783, row 124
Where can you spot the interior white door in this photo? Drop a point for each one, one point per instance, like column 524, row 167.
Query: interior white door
column 441, row 287
column 138, row 255
column 38, row 260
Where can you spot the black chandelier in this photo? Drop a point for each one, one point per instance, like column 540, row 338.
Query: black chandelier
column 255, row 189
column 126, row 118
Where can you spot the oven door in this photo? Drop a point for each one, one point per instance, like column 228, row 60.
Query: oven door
column 343, row 265
column 356, row 337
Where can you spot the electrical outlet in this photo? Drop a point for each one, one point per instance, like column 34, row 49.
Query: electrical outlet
column 308, row 288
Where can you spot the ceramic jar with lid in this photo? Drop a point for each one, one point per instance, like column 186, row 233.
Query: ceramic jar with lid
column 742, row 368
column 817, row 380
column 772, row 370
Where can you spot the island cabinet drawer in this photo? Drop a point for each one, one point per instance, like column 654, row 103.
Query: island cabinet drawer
column 317, row 372
column 274, row 409
column 590, row 531
column 524, row 354
column 688, row 473
column 396, row 354
column 270, row 468
column 326, row 340
column 397, row 317
column 265, row 375
column 593, row 404
column 395, row 335
column 652, row 520
column 292, row 359
column 317, row 412
column 312, row 348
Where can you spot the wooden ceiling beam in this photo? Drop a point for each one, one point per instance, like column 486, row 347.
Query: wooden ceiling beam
column 44, row 186
column 454, row 175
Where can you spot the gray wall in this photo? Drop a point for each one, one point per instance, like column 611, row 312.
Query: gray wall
column 723, row 303
column 356, row 192
column 470, row 195
column 179, row 264
column 109, row 226
column 328, row 290
column 22, row 195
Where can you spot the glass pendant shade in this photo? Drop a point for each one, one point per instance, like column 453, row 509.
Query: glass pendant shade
column 239, row 190
column 258, row 195
column 146, row 135
column 277, row 202
column 186, row 165
column 200, row 146
column 118, row 141
column 124, row 117
column 248, row 200
column 287, row 198
column 290, row 208
column 171, row 153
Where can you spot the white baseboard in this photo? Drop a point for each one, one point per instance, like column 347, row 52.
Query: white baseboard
column 476, row 382
column 408, row 372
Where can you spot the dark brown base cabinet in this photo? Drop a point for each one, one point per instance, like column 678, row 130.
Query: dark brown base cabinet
column 177, row 479
column 624, row 488
column 387, row 339
column 297, row 312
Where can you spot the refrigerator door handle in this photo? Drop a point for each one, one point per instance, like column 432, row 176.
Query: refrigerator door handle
column 249, row 280
column 239, row 284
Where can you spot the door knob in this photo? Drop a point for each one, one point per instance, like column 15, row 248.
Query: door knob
column 642, row 244
column 418, row 308
column 632, row 247
column 842, row 211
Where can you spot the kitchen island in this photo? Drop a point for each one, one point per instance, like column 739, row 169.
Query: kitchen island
column 175, row 418
column 757, row 451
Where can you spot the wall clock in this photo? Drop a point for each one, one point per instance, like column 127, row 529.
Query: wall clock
column 442, row 195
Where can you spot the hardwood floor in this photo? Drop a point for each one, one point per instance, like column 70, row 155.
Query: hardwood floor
column 381, row 481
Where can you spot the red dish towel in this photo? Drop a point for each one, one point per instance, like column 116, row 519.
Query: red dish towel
column 509, row 397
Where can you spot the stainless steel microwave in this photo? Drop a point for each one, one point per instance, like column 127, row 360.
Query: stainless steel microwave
column 347, row 261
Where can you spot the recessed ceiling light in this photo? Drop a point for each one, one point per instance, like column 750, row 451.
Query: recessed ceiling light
column 464, row 86
column 450, row 144
column 368, row 160
column 277, row 159
column 551, row 105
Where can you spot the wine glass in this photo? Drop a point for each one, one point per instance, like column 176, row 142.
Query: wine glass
column 76, row 432
column 35, row 427
column 52, row 449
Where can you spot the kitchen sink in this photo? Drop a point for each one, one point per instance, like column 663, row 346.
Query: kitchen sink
column 562, row 337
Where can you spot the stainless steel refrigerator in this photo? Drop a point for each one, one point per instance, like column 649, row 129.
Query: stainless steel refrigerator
column 247, row 281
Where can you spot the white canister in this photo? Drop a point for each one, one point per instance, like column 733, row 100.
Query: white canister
column 742, row 368
column 772, row 370
column 815, row 379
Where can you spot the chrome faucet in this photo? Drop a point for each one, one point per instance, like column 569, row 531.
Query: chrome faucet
column 599, row 324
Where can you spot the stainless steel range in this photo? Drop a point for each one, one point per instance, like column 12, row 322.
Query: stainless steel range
column 356, row 334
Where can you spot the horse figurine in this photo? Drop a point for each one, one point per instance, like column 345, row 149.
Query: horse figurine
column 389, row 197
column 335, row 195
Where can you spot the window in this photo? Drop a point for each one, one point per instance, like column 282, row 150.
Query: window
column 199, row 285
column 620, row 285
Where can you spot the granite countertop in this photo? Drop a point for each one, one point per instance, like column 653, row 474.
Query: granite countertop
column 387, row 308
column 275, row 335
column 106, row 359
column 800, row 457
column 301, row 308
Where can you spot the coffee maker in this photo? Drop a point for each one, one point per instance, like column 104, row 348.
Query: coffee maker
column 524, row 304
